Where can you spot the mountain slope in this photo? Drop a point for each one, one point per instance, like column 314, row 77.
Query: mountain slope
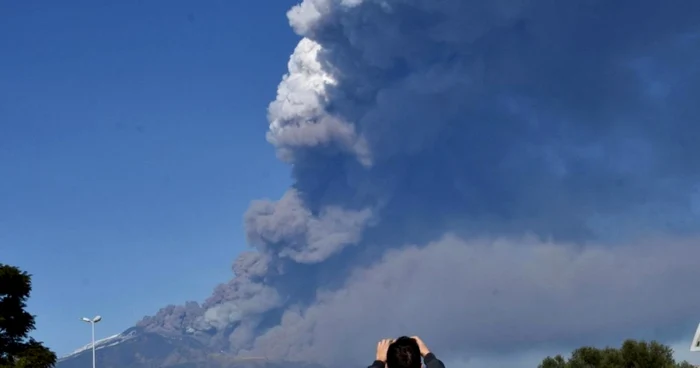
column 136, row 348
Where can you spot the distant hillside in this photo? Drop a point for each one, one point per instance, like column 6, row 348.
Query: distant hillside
column 138, row 349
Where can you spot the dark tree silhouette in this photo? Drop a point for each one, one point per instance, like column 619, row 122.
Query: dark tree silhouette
column 632, row 354
column 17, row 349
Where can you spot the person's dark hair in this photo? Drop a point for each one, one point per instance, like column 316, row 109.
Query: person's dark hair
column 403, row 353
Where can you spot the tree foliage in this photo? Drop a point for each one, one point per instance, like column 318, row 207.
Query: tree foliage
column 632, row 354
column 17, row 349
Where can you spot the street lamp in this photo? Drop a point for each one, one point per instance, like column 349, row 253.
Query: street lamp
column 92, row 324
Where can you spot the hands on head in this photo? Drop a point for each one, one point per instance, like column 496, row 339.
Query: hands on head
column 383, row 348
column 421, row 345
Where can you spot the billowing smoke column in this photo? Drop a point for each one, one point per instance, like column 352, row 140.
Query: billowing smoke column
column 479, row 172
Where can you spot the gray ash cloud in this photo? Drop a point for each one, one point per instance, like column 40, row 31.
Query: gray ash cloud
column 466, row 167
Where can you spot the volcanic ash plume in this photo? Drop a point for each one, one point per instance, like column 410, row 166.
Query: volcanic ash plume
column 479, row 172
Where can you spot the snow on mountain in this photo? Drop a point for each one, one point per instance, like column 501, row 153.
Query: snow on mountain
column 104, row 343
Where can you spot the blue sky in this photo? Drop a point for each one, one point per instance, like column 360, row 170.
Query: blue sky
column 131, row 142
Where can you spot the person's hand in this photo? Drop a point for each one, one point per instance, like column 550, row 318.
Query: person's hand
column 421, row 346
column 382, row 349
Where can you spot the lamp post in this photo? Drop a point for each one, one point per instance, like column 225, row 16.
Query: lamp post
column 92, row 324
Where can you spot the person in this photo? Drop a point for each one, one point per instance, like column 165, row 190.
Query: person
column 404, row 352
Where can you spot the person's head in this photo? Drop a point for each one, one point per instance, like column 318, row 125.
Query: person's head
column 403, row 353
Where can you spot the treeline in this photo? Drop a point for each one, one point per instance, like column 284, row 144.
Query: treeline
column 632, row 354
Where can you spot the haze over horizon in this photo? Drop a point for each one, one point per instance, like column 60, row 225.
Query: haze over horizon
column 511, row 180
